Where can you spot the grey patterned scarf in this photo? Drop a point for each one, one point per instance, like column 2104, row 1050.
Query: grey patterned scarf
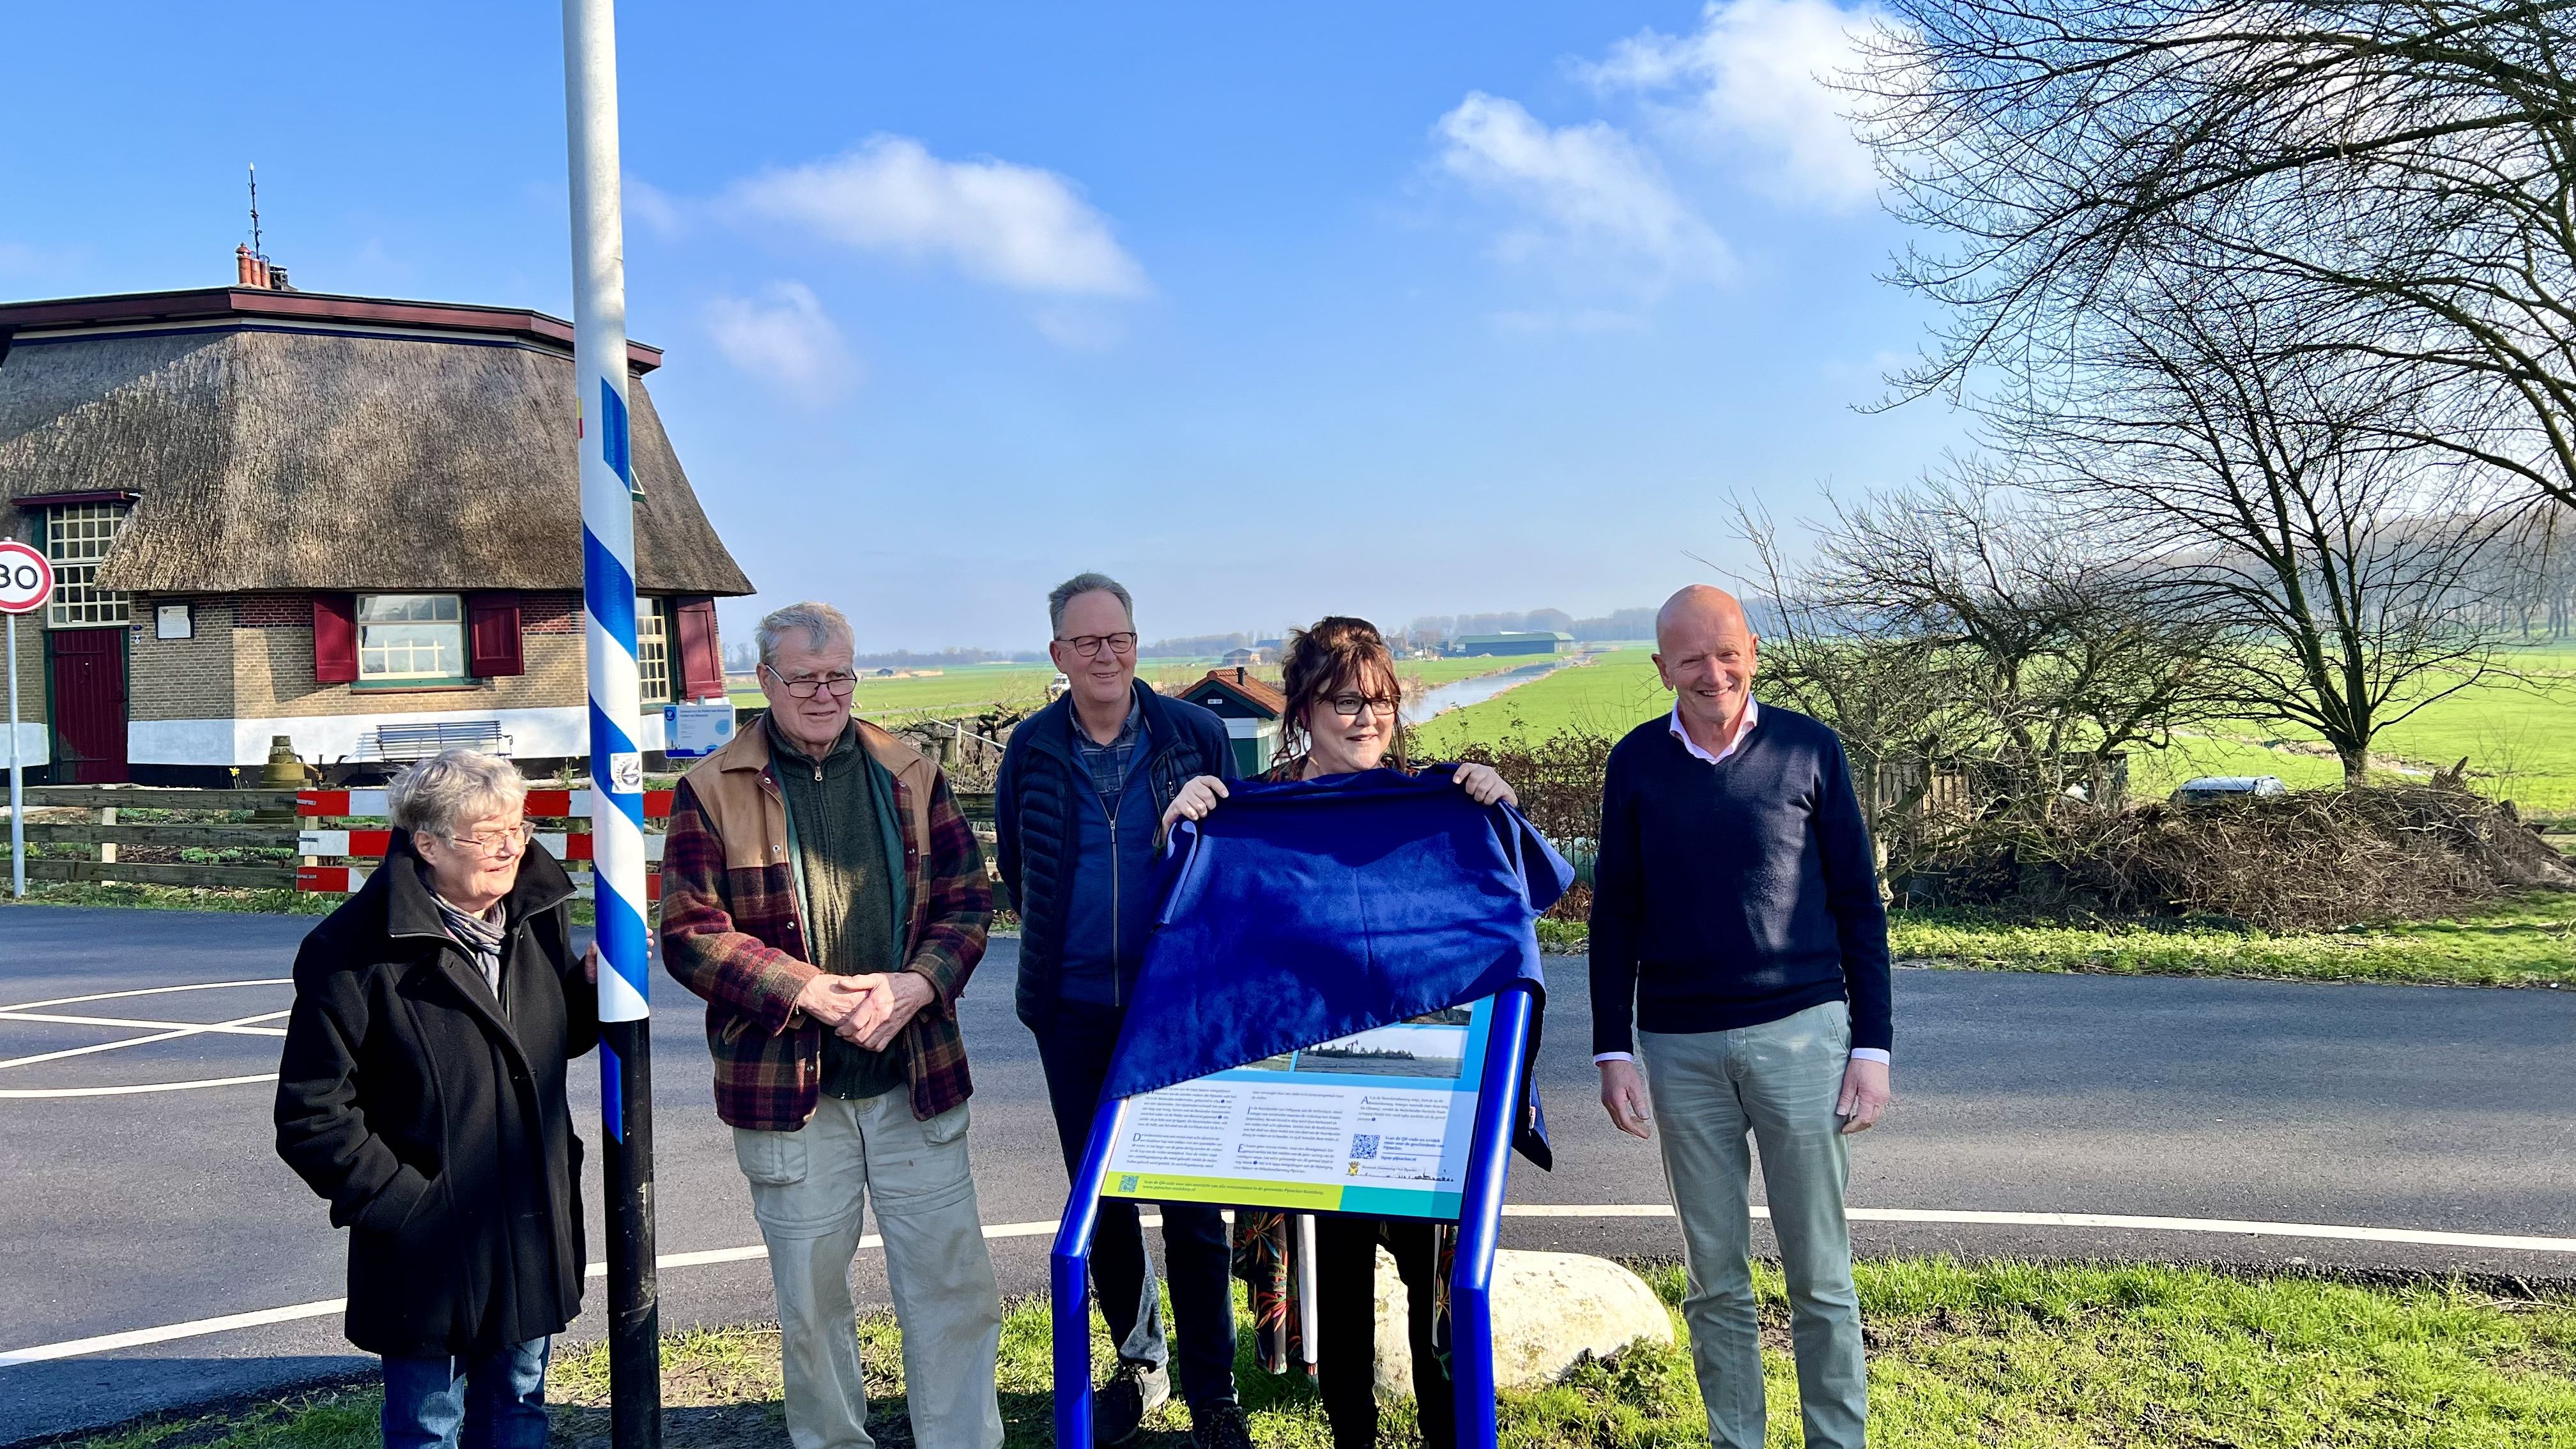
column 479, row 935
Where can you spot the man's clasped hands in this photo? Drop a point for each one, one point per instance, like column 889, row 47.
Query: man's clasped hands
column 866, row 1010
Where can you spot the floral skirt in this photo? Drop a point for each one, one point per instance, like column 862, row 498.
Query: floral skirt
column 1266, row 1248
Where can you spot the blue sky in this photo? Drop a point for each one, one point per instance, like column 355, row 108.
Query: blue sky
column 1270, row 311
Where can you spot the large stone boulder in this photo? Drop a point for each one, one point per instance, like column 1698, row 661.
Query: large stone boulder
column 1550, row 1310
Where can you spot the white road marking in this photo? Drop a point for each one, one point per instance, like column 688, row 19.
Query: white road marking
column 58, row 1019
column 148, row 991
column 199, row 1328
column 135, row 1089
column 2503, row 1242
column 135, row 1041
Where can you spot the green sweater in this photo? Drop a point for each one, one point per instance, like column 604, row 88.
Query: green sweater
column 840, row 812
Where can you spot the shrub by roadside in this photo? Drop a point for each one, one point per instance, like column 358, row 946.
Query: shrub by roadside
column 1962, row 1357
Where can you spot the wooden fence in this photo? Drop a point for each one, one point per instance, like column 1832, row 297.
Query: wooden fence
column 324, row 841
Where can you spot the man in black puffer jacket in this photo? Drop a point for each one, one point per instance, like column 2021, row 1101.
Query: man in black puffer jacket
column 1079, row 808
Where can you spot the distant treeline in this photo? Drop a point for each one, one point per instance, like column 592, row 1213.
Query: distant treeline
column 744, row 656
column 1617, row 624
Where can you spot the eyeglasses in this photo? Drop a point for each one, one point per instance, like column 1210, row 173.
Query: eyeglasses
column 495, row 842
column 1089, row 645
column 1348, row 706
column 841, row 685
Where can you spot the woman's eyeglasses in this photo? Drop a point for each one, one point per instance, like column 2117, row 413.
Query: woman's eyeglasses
column 1348, row 706
column 493, row 843
column 841, row 685
column 1090, row 645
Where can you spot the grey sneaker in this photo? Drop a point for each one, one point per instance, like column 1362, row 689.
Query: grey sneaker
column 1220, row 1427
column 1119, row 1409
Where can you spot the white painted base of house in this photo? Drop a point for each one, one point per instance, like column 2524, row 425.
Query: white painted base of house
column 34, row 744
column 557, row 733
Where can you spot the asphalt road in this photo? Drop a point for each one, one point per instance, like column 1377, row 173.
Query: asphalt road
column 2378, row 1106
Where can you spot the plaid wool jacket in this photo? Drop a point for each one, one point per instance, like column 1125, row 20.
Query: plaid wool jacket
column 730, row 931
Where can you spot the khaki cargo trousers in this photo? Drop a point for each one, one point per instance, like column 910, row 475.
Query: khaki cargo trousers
column 809, row 1189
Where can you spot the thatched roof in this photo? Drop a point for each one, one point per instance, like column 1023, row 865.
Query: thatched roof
column 274, row 455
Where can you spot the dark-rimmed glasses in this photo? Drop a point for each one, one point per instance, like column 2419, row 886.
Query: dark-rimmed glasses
column 1348, row 706
column 1089, row 645
column 841, row 685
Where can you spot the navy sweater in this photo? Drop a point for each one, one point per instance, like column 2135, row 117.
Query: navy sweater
column 1734, row 894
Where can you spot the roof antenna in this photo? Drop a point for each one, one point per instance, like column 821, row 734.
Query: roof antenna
column 253, row 167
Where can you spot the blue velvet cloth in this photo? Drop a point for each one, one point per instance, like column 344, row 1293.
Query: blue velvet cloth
column 1307, row 910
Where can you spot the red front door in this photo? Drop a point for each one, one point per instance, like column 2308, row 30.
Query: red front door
column 89, row 705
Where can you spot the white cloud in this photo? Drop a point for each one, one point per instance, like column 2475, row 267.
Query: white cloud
column 653, row 206
column 1751, row 91
column 1588, row 191
column 785, row 337
column 1019, row 226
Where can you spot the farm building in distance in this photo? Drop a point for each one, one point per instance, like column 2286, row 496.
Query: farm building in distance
column 1250, row 707
column 351, row 521
column 1472, row 645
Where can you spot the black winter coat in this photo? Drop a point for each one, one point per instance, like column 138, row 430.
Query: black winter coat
column 1033, row 815
column 433, row 1120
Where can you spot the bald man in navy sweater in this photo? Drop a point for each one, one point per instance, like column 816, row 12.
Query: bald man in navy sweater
column 1736, row 914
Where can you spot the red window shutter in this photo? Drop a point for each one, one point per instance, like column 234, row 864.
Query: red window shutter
column 492, row 635
column 701, row 666
column 335, row 638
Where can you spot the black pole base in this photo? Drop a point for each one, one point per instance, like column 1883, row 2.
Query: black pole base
column 634, row 1294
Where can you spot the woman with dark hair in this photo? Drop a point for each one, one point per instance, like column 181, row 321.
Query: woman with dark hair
column 1341, row 718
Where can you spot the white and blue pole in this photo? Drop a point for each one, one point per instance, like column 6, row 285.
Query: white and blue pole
column 616, row 760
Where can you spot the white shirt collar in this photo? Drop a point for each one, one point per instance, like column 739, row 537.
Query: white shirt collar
column 1752, row 717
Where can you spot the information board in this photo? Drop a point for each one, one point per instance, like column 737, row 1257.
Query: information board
column 1376, row 1123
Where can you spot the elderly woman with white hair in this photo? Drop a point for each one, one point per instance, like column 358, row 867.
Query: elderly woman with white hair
column 421, row 1093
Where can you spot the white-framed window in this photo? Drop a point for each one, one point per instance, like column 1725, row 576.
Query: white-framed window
column 77, row 537
column 411, row 639
column 652, row 652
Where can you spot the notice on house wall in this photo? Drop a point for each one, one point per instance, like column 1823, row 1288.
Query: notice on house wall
column 1374, row 1123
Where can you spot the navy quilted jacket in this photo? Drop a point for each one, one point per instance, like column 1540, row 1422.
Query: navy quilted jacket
column 1034, row 819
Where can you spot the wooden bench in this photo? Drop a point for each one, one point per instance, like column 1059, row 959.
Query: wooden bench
column 405, row 743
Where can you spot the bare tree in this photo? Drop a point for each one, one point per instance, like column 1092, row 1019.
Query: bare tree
column 2402, row 172
column 1986, row 668
column 2279, row 485
column 2064, row 652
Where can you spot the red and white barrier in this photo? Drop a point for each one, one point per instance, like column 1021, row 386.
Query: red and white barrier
column 368, row 844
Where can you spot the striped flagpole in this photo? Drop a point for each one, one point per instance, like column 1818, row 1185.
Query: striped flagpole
column 616, row 760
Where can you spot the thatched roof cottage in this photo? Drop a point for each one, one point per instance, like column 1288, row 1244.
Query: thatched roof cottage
column 349, row 520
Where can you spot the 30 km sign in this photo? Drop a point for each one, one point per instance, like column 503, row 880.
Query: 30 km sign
column 26, row 578
column 26, row 582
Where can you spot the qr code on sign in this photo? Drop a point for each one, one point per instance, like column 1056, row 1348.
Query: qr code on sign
column 1364, row 1145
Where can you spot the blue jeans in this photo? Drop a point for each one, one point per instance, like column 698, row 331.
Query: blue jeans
column 494, row 1402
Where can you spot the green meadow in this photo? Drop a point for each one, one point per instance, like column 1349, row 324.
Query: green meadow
column 2517, row 729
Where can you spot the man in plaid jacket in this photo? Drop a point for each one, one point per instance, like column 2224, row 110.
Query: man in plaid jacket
column 824, row 894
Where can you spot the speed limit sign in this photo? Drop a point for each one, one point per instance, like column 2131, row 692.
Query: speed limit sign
column 26, row 578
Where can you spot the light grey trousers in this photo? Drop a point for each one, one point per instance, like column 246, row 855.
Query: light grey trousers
column 809, row 1189
column 1777, row 1083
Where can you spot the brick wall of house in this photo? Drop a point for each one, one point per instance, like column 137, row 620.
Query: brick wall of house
column 273, row 676
column 188, row 678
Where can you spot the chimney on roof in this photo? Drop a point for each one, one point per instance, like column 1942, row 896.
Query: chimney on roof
column 1238, row 674
column 254, row 270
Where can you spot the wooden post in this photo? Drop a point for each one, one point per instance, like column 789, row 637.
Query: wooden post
column 107, row 848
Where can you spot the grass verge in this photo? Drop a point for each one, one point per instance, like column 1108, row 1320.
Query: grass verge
column 280, row 902
column 2528, row 940
column 1989, row 1356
